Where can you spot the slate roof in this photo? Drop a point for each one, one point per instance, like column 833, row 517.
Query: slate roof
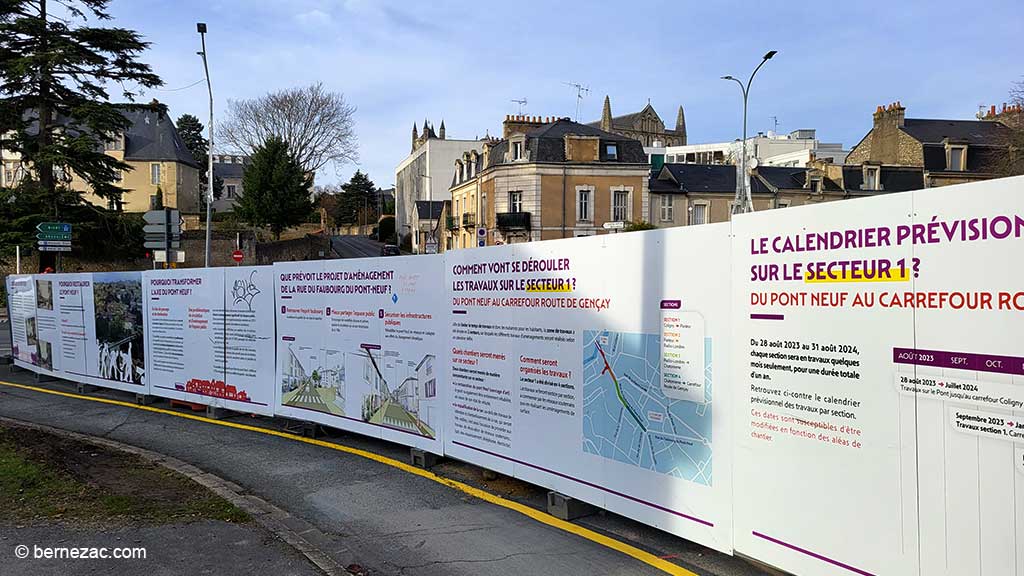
column 659, row 186
column 547, row 144
column 972, row 132
column 721, row 178
column 228, row 170
column 892, row 178
column 791, row 178
column 979, row 157
column 426, row 212
column 153, row 136
column 706, row 178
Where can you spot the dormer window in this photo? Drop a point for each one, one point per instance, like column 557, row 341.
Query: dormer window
column 956, row 158
column 517, row 150
column 612, row 151
column 871, row 178
column 816, row 184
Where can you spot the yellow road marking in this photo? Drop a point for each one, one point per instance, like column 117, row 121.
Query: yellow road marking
column 542, row 517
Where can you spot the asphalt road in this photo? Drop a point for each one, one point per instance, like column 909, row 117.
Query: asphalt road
column 378, row 516
column 355, row 246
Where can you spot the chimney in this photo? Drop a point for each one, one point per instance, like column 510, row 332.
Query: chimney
column 893, row 114
column 520, row 124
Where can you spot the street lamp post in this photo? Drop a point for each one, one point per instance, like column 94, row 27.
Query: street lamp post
column 743, row 202
column 430, row 203
column 201, row 28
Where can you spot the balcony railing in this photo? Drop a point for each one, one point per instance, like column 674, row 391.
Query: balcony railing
column 468, row 220
column 513, row 220
column 450, row 223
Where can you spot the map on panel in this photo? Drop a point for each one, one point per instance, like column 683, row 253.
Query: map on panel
column 626, row 415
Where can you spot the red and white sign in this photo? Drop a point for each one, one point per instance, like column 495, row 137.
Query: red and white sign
column 237, row 255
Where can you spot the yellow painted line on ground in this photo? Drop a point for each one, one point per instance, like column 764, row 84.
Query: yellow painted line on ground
column 542, row 517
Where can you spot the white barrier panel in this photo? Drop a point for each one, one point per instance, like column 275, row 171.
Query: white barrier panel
column 879, row 372
column 33, row 313
column 966, row 373
column 359, row 346
column 209, row 336
column 598, row 367
column 83, row 327
column 102, row 318
column 874, row 348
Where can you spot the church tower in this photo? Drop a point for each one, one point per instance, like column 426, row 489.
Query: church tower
column 681, row 126
column 606, row 115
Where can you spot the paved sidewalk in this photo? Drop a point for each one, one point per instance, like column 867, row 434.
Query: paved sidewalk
column 384, row 519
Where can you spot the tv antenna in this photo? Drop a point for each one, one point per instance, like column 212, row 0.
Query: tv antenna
column 775, row 122
column 521, row 102
column 581, row 90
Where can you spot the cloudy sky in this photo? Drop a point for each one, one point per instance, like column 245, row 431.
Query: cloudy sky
column 464, row 62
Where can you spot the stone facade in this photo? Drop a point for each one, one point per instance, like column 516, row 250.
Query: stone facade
column 529, row 186
column 644, row 126
column 949, row 151
column 887, row 143
column 156, row 155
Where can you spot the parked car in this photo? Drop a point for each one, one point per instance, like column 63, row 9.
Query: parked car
column 390, row 250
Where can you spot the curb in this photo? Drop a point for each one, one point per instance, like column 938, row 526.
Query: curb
column 294, row 531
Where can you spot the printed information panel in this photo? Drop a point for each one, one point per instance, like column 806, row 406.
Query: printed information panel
column 359, row 343
column 102, row 328
column 589, row 366
column 34, row 317
column 881, row 379
column 969, row 313
column 209, row 336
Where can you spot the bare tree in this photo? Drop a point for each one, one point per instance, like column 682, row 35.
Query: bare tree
column 317, row 124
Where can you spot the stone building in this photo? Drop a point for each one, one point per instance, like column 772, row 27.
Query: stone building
column 159, row 162
column 645, row 126
column 230, row 169
column 424, row 175
column 949, row 151
column 546, row 178
column 428, row 225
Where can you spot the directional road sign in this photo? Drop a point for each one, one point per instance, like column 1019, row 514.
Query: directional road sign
column 173, row 228
column 157, row 216
column 53, row 236
column 162, row 244
column 54, row 227
column 55, row 243
column 55, row 248
column 162, row 229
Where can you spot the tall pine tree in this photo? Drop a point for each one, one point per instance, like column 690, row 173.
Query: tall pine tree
column 357, row 202
column 55, row 71
column 276, row 189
